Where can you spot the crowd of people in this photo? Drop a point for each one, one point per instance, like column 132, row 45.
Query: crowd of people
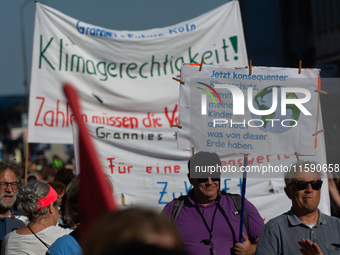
column 43, row 217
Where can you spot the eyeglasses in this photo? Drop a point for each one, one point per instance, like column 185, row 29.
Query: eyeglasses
column 301, row 185
column 59, row 206
column 201, row 180
column 4, row 185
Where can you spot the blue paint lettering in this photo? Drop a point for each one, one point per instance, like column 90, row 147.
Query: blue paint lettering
column 162, row 193
column 94, row 31
column 186, row 187
column 225, row 185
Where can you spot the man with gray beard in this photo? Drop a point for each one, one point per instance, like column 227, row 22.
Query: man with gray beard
column 10, row 174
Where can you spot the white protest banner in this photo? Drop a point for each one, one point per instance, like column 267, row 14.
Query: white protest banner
column 154, row 179
column 124, row 77
column 225, row 109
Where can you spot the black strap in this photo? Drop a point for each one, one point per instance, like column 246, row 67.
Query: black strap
column 177, row 207
column 205, row 222
column 237, row 199
column 48, row 246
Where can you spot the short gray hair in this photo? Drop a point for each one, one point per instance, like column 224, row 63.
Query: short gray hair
column 298, row 166
column 12, row 165
column 28, row 198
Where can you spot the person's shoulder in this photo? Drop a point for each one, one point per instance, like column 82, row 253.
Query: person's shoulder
column 9, row 235
column 168, row 207
column 63, row 245
column 236, row 199
column 63, row 240
column 277, row 221
column 15, row 212
column 225, row 195
column 230, row 196
column 58, row 230
column 330, row 219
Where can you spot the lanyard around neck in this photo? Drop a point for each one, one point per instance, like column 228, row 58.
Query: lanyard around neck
column 205, row 222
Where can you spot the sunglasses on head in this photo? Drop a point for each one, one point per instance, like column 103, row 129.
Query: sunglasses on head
column 301, row 185
column 201, row 180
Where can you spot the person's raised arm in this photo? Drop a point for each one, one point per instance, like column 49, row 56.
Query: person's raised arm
column 333, row 191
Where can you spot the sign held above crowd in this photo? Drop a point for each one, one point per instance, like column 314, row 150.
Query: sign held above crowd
column 225, row 109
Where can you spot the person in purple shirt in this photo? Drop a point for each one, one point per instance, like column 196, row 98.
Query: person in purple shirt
column 208, row 220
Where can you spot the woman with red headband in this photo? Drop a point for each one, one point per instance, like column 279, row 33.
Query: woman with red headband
column 37, row 201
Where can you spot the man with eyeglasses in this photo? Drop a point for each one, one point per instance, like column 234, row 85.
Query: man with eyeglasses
column 207, row 219
column 303, row 229
column 10, row 174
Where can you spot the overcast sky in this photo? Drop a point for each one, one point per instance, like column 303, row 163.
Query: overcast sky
column 112, row 14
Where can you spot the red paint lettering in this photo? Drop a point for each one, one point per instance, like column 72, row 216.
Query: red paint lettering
column 42, row 103
column 165, row 169
column 125, row 122
column 57, row 114
column 231, row 161
column 52, row 118
column 173, row 118
column 240, row 162
column 111, row 164
column 147, row 121
column 119, row 122
column 134, row 122
column 155, row 122
column 250, row 162
column 259, row 159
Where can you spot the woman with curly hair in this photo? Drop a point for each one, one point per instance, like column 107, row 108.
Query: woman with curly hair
column 37, row 201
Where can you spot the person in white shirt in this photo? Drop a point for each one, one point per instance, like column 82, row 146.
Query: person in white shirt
column 37, row 201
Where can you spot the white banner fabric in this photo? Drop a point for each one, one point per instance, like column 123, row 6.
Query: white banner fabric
column 153, row 179
column 124, row 77
column 225, row 109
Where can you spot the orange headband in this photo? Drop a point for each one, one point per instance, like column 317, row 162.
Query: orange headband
column 49, row 199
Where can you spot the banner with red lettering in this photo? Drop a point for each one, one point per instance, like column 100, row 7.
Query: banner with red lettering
column 154, row 178
column 124, row 77
column 129, row 100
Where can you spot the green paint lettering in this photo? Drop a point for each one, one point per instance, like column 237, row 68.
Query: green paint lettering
column 155, row 63
column 111, row 68
column 89, row 63
column 141, row 69
column 121, row 69
column 207, row 55
column 78, row 62
column 192, row 59
column 43, row 51
column 131, row 66
column 102, row 71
